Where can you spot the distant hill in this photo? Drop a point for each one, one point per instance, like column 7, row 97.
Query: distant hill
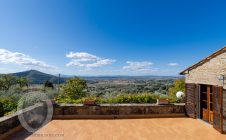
column 147, row 77
column 37, row 77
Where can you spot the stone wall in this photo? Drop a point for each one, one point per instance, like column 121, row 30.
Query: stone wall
column 118, row 111
column 11, row 124
column 209, row 72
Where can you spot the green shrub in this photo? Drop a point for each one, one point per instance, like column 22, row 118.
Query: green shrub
column 51, row 93
column 30, row 99
column 13, row 93
column 139, row 98
column 8, row 104
column 75, row 88
column 179, row 85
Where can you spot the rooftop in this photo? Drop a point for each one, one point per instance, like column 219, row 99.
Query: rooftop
column 219, row 52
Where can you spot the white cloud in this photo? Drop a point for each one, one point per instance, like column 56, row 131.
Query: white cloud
column 173, row 64
column 82, row 56
column 136, row 66
column 8, row 57
column 83, row 59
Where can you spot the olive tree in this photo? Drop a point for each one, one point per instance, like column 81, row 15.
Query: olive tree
column 6, row 81
column 22, row 81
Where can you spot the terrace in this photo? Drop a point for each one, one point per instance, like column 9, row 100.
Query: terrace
column 131, row 129
column 119, row 121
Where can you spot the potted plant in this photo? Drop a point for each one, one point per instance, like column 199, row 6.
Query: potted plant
column 89, row 102
column 162, row 101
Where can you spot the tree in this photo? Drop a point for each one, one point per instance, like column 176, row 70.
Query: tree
column 48, row 84
column 179, row 85
column 22, row 81
column 75, row 88
column 6, row 81
column 2, row 84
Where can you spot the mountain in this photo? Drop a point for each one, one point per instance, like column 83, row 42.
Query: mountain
column 37, row 77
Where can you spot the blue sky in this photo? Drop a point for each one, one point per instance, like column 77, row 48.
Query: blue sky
column 109, row 37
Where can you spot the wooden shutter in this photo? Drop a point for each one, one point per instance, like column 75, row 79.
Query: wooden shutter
column 224, row 110
column 191, row 95
column 217, row 108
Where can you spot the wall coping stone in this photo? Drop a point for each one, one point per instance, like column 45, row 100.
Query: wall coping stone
column 10, row 116
column 81, row 105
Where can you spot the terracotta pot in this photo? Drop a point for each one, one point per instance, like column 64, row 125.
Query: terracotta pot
column 162, row 102
column 89, row 102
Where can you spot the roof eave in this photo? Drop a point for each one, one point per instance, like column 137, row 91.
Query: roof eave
column 204, row 60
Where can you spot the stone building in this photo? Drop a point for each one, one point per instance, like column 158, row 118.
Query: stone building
column 206, row 90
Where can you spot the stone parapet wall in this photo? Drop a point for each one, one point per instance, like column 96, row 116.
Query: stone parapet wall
column 209, row 72
column 118, row 111
column 11, row 124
